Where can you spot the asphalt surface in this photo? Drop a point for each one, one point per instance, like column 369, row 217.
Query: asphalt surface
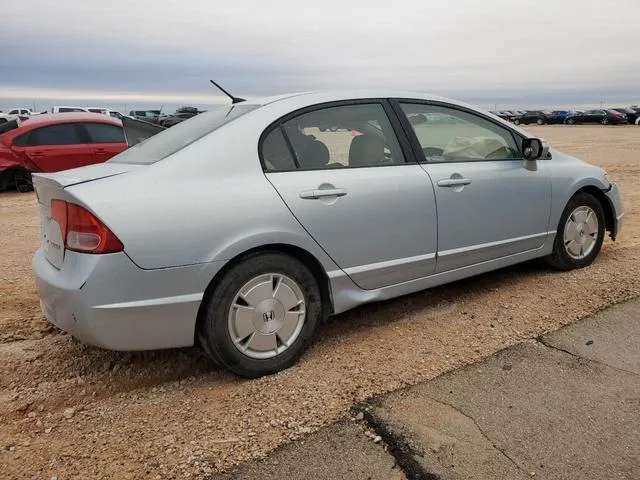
column 566, row 406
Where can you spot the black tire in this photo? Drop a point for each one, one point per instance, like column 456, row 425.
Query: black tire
column 560, row 258
column 22, row 181
column 540, row 121
column 605, row 121
column 570, row 121
column 517, row 121
column 213, row 329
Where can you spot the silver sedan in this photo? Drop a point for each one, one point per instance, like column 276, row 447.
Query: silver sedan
column 241, row 229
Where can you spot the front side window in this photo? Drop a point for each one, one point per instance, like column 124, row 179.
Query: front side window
column 104, row 133
column 14, row 112
column 62, row 134
column 450, row 135
column 337, row 137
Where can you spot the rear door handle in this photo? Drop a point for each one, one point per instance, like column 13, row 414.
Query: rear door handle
column 453, row 182
column 320, row 193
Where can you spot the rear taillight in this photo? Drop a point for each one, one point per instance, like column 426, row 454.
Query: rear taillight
column 82, row 231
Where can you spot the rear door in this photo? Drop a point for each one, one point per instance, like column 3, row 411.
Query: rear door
column 56, row 147
column 105, row 140
column 342, row 172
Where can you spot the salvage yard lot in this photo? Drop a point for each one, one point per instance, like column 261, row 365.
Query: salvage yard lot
column 76, row 411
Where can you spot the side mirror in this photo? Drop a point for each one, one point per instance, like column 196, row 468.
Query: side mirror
column 534, row 148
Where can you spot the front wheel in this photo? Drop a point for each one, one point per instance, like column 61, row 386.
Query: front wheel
column 261, row 316
column 605, row 121
column 540, row 121
column 570, row 121
column 580, row 233
column 517, row 121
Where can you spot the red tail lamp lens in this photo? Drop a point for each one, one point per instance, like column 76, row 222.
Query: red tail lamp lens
column 82, row 231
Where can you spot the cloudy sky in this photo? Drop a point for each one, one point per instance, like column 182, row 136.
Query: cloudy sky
column 147, row 53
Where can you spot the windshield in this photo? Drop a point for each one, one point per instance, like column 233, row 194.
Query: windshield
column 179, row 136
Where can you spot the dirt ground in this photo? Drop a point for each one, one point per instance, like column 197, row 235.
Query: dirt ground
column 73, row 411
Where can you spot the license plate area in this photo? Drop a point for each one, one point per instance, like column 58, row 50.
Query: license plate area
column 51, row 240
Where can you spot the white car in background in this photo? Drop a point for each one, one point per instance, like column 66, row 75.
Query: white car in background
column 105, row 111
column 67, row 109
column 22, row 111
column 5, row 117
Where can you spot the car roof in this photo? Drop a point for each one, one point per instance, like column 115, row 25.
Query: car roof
column 294, row 101
column 355, row 94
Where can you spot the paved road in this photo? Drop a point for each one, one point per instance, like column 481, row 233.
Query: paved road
column 564, row 407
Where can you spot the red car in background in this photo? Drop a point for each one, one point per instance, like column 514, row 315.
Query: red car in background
column 54, row 142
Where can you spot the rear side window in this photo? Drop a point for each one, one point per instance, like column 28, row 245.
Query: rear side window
column 104, row 133
column 276, row 153
column 63, row 134
column 168, row 142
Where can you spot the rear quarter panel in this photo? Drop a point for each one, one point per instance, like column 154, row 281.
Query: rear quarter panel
column 208, row 202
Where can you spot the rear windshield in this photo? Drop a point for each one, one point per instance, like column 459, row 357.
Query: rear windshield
column 179, row 136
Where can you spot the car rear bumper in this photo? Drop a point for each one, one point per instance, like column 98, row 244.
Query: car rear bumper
column 109, row 302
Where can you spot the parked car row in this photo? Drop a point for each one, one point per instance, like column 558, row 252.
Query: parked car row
column 603, row 116
column 166, row 120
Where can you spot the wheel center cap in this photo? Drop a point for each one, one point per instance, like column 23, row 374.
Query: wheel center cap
column 269, row 316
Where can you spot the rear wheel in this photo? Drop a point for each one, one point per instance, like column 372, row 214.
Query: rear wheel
column 570, row 121
column 605, row 121
column 517, row 121
column 262, row 314
column 540, row 121
column 580, row 233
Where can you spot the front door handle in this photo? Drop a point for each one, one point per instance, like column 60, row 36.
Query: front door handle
column 320, row 193
column 453, row 182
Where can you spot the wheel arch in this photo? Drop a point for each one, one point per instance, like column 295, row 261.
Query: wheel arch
column 607, row 208
column 300, row 254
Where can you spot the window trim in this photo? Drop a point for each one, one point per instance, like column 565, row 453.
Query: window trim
column 415, row 143
column 396, row 127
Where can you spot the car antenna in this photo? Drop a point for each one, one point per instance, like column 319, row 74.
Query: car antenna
column 233, row 99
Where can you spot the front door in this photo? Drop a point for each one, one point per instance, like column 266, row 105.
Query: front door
column 491, row 203
column 342, row 173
